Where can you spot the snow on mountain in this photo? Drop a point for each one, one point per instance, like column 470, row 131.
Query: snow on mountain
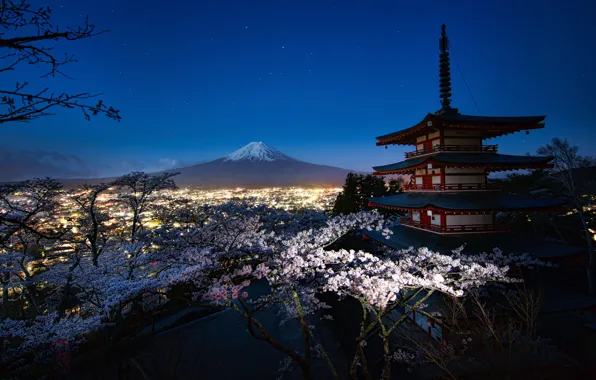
column 256, row 151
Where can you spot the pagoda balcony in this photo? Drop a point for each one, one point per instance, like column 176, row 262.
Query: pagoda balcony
column 453, row 187
column 453, row 148
column 455, row 229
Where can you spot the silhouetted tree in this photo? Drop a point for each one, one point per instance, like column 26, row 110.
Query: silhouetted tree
column 567, row 161
column 396, row 185
column 24, row 38
column 536, row 181
column 26, row 209
column 139, row 187
column 356, row 190
column 91, row 220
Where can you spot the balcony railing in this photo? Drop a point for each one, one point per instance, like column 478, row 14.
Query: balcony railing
column 455, row 229
column 454, row 187
column 454, row 148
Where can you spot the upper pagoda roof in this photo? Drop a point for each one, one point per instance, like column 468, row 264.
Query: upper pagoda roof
column 493, row 162
column 486, row 126
column 474, row 201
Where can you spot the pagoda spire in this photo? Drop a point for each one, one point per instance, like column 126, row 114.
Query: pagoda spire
column 444, row 70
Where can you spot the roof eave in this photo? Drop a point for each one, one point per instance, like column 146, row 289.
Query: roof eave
column 488, row 167
column 430, row 206
column 398, row 138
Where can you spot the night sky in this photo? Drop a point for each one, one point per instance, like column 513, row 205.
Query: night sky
column 317, row 80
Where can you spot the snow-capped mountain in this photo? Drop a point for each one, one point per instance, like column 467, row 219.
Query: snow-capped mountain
column 254, row 165
column 256, row 151
column 257, row 165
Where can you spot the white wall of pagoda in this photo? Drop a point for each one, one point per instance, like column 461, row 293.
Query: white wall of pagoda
column 416, row 216
column 435, row 220
column 467, row 220
column 434, row 139
column 462, row 141
column 461, row 133
column 454, row 176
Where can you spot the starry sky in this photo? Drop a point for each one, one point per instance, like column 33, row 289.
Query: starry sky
column 316, row 79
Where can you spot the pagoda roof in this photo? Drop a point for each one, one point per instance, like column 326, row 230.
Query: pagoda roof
column 404, row 238
column 487, row 126
column 493, row 162
column 469, row 201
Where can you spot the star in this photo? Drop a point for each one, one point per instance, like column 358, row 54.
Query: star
column 283, row 47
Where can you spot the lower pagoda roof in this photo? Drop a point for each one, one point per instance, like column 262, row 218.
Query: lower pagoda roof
column 404, row 238
column 493, row 162
column 470, row 201
column 488, row 126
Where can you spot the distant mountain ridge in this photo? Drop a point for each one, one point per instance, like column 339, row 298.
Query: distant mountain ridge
column 258, row 165
column 254, row 165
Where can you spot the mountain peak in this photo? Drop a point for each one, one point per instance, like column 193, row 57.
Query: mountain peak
column 256, row 151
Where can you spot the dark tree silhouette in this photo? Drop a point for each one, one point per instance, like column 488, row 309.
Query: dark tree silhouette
column 138, row 188
column 396, row 185
column 567, row 161
column 356, row 190
column 91, row 220
column 26, row 34
column 24, row 224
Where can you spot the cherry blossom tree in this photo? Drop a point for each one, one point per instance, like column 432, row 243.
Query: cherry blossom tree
column 26, row 211
column 300, row 267
column 90, row 223
column 220, row 253
column 138, row 188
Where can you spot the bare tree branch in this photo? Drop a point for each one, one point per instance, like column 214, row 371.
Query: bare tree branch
column 24, row 34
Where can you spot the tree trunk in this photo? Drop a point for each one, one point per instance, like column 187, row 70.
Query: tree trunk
column 591, row 274
column 591, row 268
column 5, row 297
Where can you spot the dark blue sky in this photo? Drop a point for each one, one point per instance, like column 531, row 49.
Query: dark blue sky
column 317, row 80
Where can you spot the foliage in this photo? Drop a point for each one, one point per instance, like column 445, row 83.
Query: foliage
column 359, row 187
column 24, row 38
column 488, row 339
column 203, row 253
column 567, row 162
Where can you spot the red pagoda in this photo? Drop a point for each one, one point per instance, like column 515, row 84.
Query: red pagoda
column 449, row 193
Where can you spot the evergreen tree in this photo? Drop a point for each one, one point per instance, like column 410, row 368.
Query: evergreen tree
column 395, row 185
column 356, row 191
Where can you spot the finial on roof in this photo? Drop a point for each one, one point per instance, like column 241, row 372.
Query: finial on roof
column 444, row 70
